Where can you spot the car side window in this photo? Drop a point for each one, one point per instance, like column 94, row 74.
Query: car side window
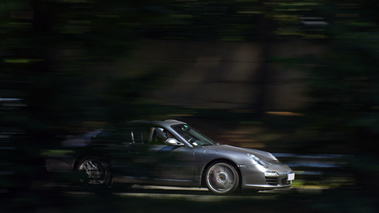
column 157, row 136
column 139, row 134
column 160, row 135
column 153, row 135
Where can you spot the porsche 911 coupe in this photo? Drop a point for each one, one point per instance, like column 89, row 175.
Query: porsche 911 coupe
column 168, row 153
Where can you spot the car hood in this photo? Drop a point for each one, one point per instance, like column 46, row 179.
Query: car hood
column 228, row 149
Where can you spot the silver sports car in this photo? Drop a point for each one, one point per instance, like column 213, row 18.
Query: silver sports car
column 170, row 153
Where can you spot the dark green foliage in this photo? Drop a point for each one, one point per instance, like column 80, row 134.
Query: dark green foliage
column 57, row 57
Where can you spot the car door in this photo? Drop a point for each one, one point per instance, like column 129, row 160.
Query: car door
column 133, row 159
column 172, row 164
column 147, row 158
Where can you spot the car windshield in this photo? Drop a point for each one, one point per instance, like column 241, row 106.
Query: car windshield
column 193, row 136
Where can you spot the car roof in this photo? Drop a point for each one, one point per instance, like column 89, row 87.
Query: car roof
column 169, row 122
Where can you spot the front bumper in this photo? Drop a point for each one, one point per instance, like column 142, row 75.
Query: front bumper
column 257, row 178
column 270, row 183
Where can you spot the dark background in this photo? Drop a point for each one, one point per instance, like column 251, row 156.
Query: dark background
column 71, row 66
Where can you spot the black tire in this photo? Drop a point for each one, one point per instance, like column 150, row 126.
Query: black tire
column 222, row 177
column 94, row 171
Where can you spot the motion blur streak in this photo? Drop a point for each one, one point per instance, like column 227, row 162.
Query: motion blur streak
column 283, row 76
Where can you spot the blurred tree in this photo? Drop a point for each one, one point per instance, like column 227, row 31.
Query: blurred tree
column 58, row 56
column 343, row 80
column 61, row 52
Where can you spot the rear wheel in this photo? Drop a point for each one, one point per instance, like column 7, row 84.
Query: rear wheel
column 222, row 178
column 95, row 171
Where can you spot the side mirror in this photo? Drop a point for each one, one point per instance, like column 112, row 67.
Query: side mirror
column 173, row 142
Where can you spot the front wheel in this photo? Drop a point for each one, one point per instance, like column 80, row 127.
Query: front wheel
column 95, row 171
column 222, row 178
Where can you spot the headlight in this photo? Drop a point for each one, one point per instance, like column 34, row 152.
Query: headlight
column 255, row 159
